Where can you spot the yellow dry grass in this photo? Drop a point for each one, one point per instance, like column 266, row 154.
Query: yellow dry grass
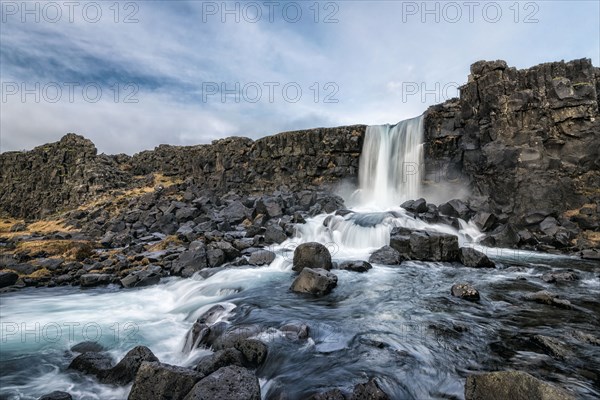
column 169, row 241
column 70, row 250
column 575, row 211
column 42, row 227
column 592, row 236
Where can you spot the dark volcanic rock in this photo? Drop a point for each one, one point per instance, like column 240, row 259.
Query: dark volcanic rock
column 89, row 280
column 156, row 380
column 222, row 358
column 564, row 276
column 315, row 281
column 232, row 383
column 387, row 256
column 333, row 394
column 261, row 257
column 465, row 291
column 551, row 346
column 311, row 255
column 369, row 390
column 254, row 352
column 56, row 395
column 514, row 385
column 92, row 363
column 192, row 260
column 8, row 278
column 355, row 266
column 149, row 275
column 545, row 297
column 474, row 258
column 85, row 347
column 424, row 245
column 124, row 372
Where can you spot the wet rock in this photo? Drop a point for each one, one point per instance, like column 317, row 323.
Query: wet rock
column 311, row 255
column 254, row 352
column 261, row 257
column 514, row 385
column 502, row 236
column 424, row 245
column 222, row 358
column 564, row 276
column 56, row 395
column 465, row 291
column 295, row 331
column 191, row 261
column 124, row 372
column 354, row 266
column 586, row 338
column 274, row 234
column 370, row 391
column 92, row 363
column 456, row 208
column 215, row 257
column 149, row 275
column 85, row 347
column 545, row 297
column 233, row 336
column 591, row 254
column 8, row 278
column 473, row 258
column 315, row 281
column 269, row 206
column 90, row 280
column 196, row 336
column 333, row 394
column 211, row 315
column 551, row 346
column 232, row 383
column 485, row 221
column 155, row 380
column 416, row 206
column 386, row 255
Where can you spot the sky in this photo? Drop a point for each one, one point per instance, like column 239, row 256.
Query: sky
column 131, row 75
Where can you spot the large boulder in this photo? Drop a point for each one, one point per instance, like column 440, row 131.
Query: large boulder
column 92, row 363
column 155, row 380
column 90, row 280
column 222, row 358
column 473, row 258
column 465, row 291
column 514, row 385
column 424, row 245
column 231, row 383
column 261, row 257
column 191, row 261
column 387, row 256
column 315, row 281
column 254, row 352
column 355, row 266
column 456, row 208
column 8, row 278
column 311, row 255
column 149, row 275
column 124, row 372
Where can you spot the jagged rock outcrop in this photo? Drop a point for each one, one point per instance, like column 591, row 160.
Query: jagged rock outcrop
column 56, row 176
column 525, row 142
column 59, row 176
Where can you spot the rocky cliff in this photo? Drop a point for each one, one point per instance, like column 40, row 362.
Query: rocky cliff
column 524, row 142
column 527, row 143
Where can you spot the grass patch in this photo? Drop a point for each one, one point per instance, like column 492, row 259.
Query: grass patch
column 169, row 241
column 70, row 250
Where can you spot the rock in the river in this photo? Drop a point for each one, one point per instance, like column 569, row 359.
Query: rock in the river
column 92, row 363
column 545, row 297
column 89, row 280
column 513, row 385
column 149, row 275
column 311, row 255
column 424, row 245
column 465, row 291
column 254, row 352
column 56, row 395
column 484, row 220
column 274, row 234
column 155, row 380
column 586, row 338
column 355, row 266
column 192, row 260
column 474, row 258
column 88, row 346
column 231, row 383
column 8, row 278
column 416, row 206
column 369, row 390
column 222, row 358
column 551, row 346
column 315, row 281
column 261, row 257
column 124, row 372
column 295, row 331
column 456, row 208
column 560, row 276
column 387, row 256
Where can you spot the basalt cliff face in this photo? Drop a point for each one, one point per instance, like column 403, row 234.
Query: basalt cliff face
column 525, row 142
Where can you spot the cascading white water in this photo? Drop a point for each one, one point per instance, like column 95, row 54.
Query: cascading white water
column 390, row 163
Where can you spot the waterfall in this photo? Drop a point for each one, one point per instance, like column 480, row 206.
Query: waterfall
column 390, row 163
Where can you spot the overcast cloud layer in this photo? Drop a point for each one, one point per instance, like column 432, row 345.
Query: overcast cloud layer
column 153, row 70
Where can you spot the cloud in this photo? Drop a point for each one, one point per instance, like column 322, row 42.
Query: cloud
column 350, row 71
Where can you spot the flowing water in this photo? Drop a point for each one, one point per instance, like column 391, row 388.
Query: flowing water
column 397, row 323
